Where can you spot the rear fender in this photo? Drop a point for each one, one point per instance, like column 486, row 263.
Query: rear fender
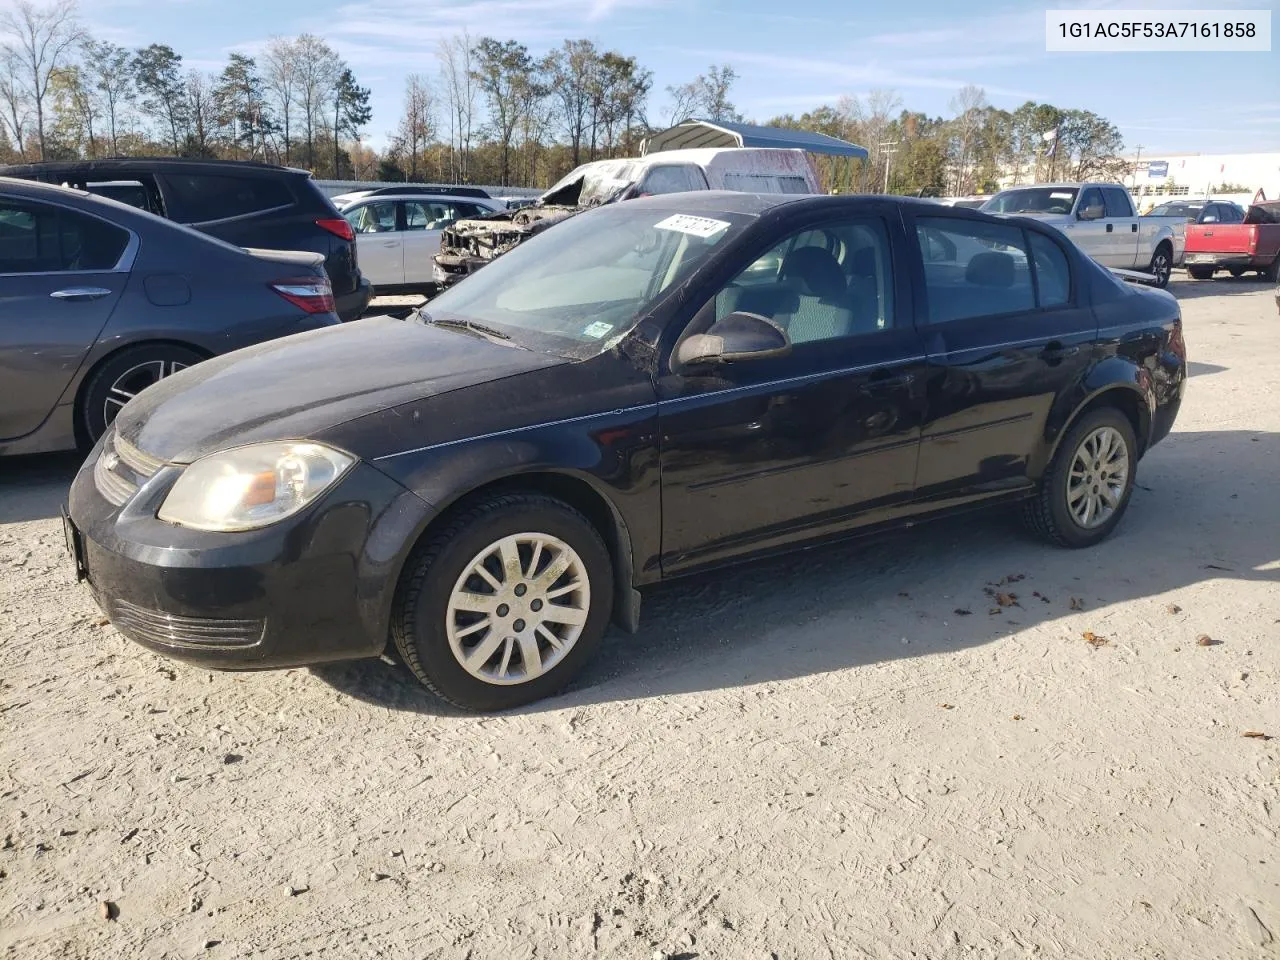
column 1113, row 380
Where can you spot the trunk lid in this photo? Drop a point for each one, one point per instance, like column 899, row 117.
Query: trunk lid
column 299, row 261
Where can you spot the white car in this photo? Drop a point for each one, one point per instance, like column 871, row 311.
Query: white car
column 398, row 236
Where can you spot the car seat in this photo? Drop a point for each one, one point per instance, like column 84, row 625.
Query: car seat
column 864, row 292
column 820, row 311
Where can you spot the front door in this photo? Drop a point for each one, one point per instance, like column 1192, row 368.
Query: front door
column 61, row 276
column 1091, row 236
column 773, row 451
column 379, row 241
column 1005, row 338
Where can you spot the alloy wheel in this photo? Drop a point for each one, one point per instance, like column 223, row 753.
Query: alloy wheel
column 133, row 381
column 1099, row 476
column 518, row 608
column 1161, row 268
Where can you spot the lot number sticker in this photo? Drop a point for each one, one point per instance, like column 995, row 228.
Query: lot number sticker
column 597, row 330
column 703, row 227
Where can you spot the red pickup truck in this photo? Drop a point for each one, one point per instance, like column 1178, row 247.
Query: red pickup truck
column 1236, row 247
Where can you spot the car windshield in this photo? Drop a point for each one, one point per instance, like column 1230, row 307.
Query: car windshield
column 1188, row 210
column 576, row 288
column 1033, row 200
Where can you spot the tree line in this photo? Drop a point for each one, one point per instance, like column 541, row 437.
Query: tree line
column 492, row 112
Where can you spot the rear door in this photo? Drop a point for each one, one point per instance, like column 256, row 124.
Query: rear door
column 379, row 241
column 424, row 220
column 1006, row 338
column 61, row 275
column 1123, row 235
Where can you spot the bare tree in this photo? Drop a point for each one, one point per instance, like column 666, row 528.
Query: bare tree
column 280, row 73
column 705, row 96
column 317, row 69
column 457, row 70
column 43, row 37
column 16, row 116
column 417, row 124
column 202, row 109
column 968, row 105
column 572, row 71
column 108, row 74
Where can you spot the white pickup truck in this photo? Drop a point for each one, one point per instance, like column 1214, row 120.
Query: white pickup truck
column 1101, row 219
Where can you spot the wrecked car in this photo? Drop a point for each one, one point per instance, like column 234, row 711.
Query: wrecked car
column 469, row 244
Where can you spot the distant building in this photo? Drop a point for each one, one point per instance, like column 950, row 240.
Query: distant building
column 1234, row 176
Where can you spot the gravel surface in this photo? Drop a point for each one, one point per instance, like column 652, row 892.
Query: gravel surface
column 850, row 753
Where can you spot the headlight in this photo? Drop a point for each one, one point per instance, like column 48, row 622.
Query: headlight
column 250, row 487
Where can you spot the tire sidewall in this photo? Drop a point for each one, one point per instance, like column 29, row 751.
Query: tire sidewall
column 91, row 418
column 424, row 622
column 1162, row 279
column 1071, row 531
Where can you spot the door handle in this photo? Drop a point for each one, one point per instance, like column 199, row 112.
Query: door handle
column 1110, row 227
column 80, row 293
column 1056, row 351
column 391, row 243
column 890, row 382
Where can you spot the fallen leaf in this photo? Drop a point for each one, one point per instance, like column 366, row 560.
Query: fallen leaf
column 947, row 706
column 1094, row 640
column 993, row 611
column 1017, row 716
column 108, row 910
column 989, row 591
column 1007, row 599
column 962, row 612
column 1257, row 735
column 1077, row 603
column 101, row 622
column 1173, row 608
column 1205, row 640
column 1015, row 577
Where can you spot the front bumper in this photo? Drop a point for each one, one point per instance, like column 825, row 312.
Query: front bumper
column 351, row 306
column 313, row 588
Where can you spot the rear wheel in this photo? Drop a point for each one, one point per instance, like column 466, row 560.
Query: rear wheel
column 1087, row 487
column 1162, row 265
column 123, row 377
column 1272, row 273
column 506, row 603
column 1200, row 273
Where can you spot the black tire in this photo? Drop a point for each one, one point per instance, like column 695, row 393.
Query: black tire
column 1200, row 273
column 1272, row 273
column 1047, row 513
column 1162, row 264
column 418, row 623
column 1236, row 271
column 93, row 417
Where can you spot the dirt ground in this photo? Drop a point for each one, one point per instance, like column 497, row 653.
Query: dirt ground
column 806, row 758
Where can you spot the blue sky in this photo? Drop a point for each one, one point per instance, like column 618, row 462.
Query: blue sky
column 790, row 57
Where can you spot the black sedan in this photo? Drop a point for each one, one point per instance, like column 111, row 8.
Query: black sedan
column 646, row 390
column 99, row 301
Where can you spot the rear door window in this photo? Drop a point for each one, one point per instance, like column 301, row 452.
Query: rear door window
column 974, row 269
column 36, row 238
column 200, row 198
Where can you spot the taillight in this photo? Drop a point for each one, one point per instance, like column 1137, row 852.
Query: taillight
column 309, row 294
column 339, row 228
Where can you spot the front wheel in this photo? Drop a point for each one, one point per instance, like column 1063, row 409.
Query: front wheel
column 1162, row 265
column 504, row 604
column 1087, row 487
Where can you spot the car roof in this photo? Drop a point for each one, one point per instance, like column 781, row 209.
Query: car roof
column 116, row 165
column 444, row 197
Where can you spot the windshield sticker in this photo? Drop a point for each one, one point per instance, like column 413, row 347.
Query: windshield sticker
column 1059, row 196
column 703, row 227
column 597, row 330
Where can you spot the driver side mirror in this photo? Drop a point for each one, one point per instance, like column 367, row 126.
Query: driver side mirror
column 1094, row 211
column 739, row 336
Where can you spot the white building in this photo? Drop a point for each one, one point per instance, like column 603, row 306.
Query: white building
column 1204, row 175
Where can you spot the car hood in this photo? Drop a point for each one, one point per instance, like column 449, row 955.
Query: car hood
column 298, row 386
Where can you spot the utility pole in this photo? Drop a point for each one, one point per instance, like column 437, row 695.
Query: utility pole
column 1136, row 161
column 888, row 160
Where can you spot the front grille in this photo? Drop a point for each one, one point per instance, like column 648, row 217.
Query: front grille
column 153, row 626
column 110, row 484
column 121, row 468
